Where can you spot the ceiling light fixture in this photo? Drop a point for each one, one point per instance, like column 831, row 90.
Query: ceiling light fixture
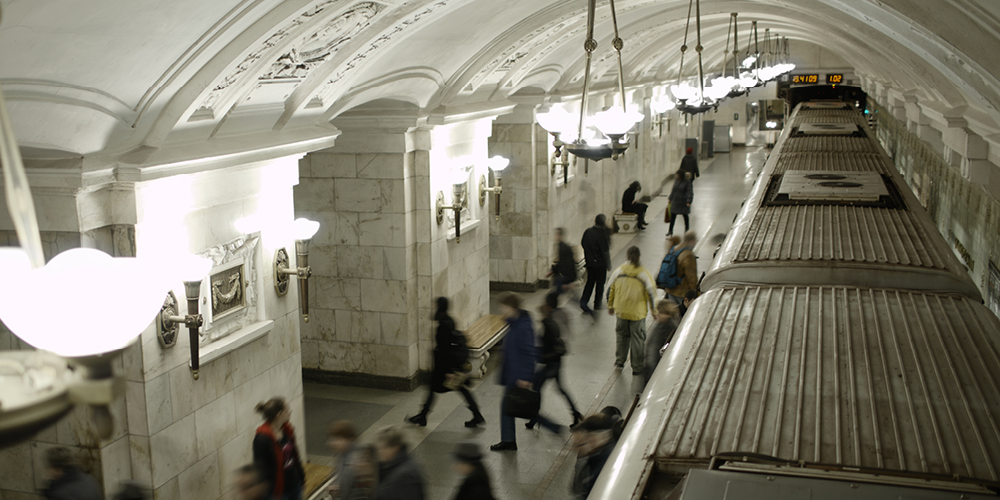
column 692, row 100
column 614, row 122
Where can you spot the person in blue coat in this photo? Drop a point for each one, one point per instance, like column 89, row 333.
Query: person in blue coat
column 518, row 370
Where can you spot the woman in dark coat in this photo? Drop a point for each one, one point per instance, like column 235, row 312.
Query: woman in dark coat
column 469, row 464
column 680, row 199
column 629, row 204
column 275, row 453
column 446, row 360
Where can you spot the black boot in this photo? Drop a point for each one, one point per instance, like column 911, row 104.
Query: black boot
column 477, row 419
column 577, row 417
column 419, row 419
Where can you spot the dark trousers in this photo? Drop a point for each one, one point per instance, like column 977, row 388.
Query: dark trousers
column 552, row 371
column 465, row 392
column 639, row 209
column 596, row 276
column 673, row 217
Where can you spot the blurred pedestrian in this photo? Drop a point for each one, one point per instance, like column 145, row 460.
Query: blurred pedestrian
column 563, row 271
column 518, row 369
column 681, row 196
column 130, row 490
column 352, row 458
column 688, row 299
column 686, row 275
column 552, row 350
column 250, row 483
column 451, row 355
column 690, row 163
column 629, row 205
column 665, row 319
column 593, row 440
column 468, row 465
column 597, row 256
column 399, row 476
column 275, row 451
column 66, row 480
column 630, row 298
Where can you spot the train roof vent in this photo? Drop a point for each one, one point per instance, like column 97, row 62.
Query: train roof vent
column 831, row 185
column 827, row 129
column 826, row 105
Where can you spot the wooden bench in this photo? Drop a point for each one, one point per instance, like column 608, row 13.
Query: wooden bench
column 626, row 221
column 481, row 336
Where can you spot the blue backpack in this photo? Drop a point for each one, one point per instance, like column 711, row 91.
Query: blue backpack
column 667, row 278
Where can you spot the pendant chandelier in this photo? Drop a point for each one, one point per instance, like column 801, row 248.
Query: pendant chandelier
column 734, row 83
column 692, row 100
column 613, row 123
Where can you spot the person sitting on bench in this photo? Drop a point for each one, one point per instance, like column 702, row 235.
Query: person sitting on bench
column 629, row 205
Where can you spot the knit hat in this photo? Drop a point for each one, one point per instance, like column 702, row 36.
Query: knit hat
column 468, row 452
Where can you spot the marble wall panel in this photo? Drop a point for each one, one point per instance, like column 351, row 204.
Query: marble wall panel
column 323, row 260
column 167, row 491
column 315, row 194
column 380, row 166
column 359, row 262
column 215, row 424
column 141, row 460
column 159, row 407
column 173, row 450
column 233, row 455
column 135, row 404
column 341, row 293
column 331, row 165
column 398, row 263
column 116, row 464
column 358, row 326
column 356, row 195
column 16, row 462
column 384, row 296
column 382, row 229
column 393, row 193
column 321, row 326
column 201, row 481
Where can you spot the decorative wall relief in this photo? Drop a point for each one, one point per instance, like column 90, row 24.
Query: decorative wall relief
column 229, row 295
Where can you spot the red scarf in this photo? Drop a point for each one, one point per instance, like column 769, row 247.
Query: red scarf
column 279, row 477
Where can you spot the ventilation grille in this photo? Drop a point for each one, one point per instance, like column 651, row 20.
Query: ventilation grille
column 833, row 187
column 831, row 161
column 827, row 112
column 814, row 118
column 826, row 105
column 833, row 144
column 827, row 130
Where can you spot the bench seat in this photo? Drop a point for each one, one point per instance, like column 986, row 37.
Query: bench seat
column 626, row 221
column 485, row 333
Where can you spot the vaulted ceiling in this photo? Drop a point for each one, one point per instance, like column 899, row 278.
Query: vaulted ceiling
column 120, row 80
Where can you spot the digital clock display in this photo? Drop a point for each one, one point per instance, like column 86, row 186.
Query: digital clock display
column 835, row 79
column 805, row 78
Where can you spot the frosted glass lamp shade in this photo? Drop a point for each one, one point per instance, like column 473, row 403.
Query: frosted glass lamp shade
column 748, row 62
column 304, row 229
column 557, row 120
column 747, row 80
column 686, row 92
column 661, row 105
column 616, row 121
column 497, row 164
column 193, row 267
column 83, row 302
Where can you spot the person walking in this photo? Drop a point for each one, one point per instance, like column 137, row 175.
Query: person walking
column 66, row 480
column 593, row 440
column 552, row 351
column 275, row 452
column 564, row 269
column 630, row 298
column 354, row 480
column 469, row 465
column 665, row 323
column 450, row 354
column 399, row 476
column 629, row 205
column 686, row 269
column 690, row 164
column 596, row 245
column 249, row 483
column 680, row 199
column 518, row 369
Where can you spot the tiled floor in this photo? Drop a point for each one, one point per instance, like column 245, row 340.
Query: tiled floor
column 543, row 466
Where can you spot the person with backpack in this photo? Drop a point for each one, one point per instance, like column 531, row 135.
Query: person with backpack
column 679, row 270
column 680, row 198
column 551, row 353
column 630, row 298
column 451, row 354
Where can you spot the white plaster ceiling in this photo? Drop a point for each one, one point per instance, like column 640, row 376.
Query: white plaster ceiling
column 120, row 80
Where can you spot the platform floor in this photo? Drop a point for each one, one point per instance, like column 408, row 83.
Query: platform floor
column 543, row 465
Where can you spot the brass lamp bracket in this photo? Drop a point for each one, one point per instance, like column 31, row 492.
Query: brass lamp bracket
column 280, row 279
column 166, row 329
column 483, row 190
column 440, row 206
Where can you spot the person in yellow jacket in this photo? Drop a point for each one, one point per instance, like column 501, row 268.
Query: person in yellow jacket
column 630, row 298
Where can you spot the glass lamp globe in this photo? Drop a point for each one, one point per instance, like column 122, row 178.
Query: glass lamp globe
column 661, row 105
column 497, row 164
column 748, row 62
column 83, row 302
column 615, row 121
column 556, row 120
column 193, row 267
column 304, row 229
column 747, row 80
column 686, row 92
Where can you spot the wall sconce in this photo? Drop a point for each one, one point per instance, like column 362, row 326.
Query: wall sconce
column 458, row 202
column 496, row 164
column 659, row 107
column 193, row 271
column 304, row 230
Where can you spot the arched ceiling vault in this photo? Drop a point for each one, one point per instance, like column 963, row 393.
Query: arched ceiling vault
column 117, row 80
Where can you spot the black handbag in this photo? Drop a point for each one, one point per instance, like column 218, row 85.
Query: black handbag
column 521, row 403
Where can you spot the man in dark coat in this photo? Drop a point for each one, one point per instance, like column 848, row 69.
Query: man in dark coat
column 564, row 270
column 596, row 244
column 629, row 205
column 690, row 164
column 593, row 439
column 469, row 464
column 680, row 199
column 399, row 476
column 68, row 481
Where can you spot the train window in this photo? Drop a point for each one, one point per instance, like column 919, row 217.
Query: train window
column 993, row 290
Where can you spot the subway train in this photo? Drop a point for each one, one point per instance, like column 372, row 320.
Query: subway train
column 839, row 349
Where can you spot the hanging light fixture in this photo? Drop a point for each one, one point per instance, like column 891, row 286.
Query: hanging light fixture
column 692, row 100
column 750, row 79
column 614, row 123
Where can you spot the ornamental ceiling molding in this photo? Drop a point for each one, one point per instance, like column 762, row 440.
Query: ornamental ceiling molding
column 337, row 83
column 302, row 45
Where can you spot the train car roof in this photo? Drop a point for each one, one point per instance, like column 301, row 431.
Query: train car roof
column 866, row 378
